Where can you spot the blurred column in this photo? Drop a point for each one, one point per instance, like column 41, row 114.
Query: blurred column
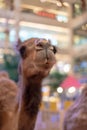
column 8, row 6
column 70, row 29
column 17, row 14
column 71, row 50
column 70, row 10
column 71, row 38
column 6, row 31
column 62, row 113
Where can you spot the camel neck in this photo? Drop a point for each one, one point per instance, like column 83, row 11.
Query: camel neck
column 30, row 102
column 31, row 95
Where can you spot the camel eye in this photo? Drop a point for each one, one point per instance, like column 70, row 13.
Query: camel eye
column 53, row 48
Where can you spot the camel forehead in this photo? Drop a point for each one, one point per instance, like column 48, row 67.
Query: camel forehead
column 44, row 41
column 35, row 41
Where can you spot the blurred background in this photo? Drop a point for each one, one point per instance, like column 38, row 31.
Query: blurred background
column 64, row 22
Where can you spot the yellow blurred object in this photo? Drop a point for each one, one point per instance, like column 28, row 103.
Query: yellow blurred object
column 53, row 103
column 42, row 107
column 67, row 104
column 53, row 106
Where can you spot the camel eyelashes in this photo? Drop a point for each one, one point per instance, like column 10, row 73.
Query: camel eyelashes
column 23, row 51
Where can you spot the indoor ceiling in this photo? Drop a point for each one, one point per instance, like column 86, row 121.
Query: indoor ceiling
column 53, row 4
column 37, row 5
column 82, row 30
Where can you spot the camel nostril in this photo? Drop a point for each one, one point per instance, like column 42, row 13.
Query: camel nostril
column 47, row 57
column 46, row 61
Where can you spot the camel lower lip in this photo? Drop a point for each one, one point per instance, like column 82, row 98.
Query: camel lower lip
column 45, row 65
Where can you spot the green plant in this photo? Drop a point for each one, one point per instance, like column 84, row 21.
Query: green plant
column 11, row 64
column 55, row 80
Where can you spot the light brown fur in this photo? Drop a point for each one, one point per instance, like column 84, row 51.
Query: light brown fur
column 8, row 93
column 76, row 116
column 4, row 74
column 19, row 106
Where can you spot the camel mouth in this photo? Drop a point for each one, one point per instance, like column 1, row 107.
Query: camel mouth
column 50, row 63
column 46, row 62
column 44, row 66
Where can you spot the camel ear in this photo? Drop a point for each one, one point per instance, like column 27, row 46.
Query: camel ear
column 21, row 48
column 19, row 43
column 22, row 51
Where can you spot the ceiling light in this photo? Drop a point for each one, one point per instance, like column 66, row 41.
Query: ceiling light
column 67, row 68
column 59, row 4
column 65, row 4
column 83, row 27
column 76, row 6
column 42, row 1
column 2, row 20
column 1, row 56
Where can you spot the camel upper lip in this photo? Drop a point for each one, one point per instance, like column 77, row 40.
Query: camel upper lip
column 47, row 63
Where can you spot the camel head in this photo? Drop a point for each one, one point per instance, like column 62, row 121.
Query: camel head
column 37, row 56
